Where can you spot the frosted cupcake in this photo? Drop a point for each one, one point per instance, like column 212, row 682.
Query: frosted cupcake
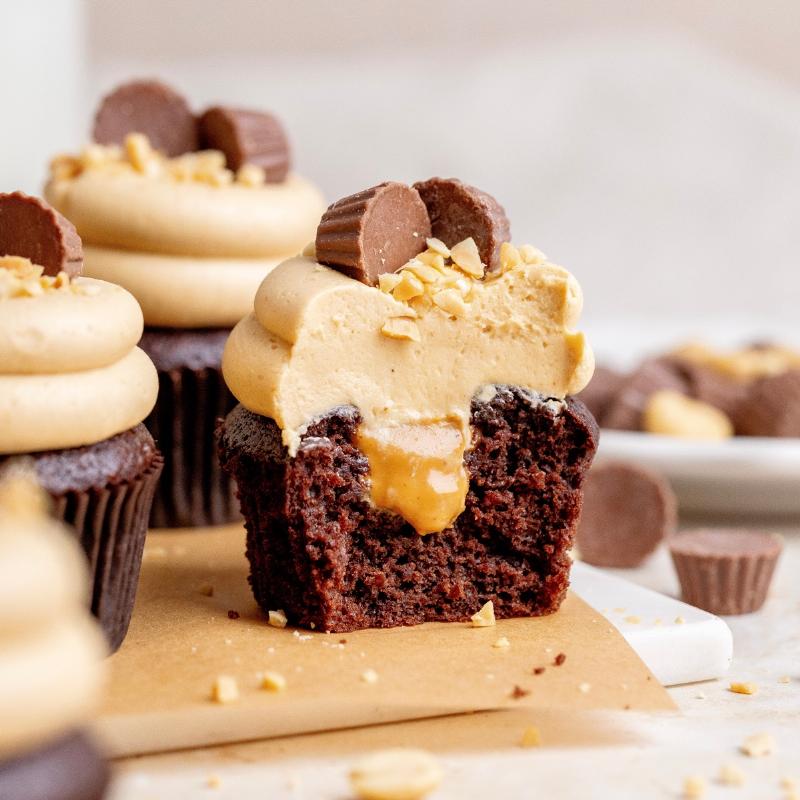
column 191, row 233
column 74, row 389
column 51, row 654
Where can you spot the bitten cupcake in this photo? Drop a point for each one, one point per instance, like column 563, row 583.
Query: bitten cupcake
column 189, row 213
column 51, row 653
column 405, row 446
column 74, row 389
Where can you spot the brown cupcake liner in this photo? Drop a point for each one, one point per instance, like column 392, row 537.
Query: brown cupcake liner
column 194, row 491
column 111, row 525
column 726, row 585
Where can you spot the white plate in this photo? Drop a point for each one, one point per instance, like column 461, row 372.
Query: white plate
column 747, row 475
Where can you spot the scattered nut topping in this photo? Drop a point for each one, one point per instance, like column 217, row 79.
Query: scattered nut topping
column 20, row 277
column 233, row 614
column 743, row 687
column 758, row 745
column 530, row 737
column 449, row 300
column 731, row 775
column 401, row 328
column 369, row 676
column 273, row 681
column 225, row 689
column 278, row 618
column 531, row 254
column 538, row 670
column 465, row 255
column 694, row 787
column 396, row 774
column 138, row 156
column 559, row 659
column 509, row 256
column 518, row 692
column 485, row 617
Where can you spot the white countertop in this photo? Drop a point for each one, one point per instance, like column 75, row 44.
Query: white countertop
column 621, row 756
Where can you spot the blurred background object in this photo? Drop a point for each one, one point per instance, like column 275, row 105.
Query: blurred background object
column 653, row 148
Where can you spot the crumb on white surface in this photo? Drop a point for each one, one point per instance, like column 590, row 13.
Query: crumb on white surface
column 225, row 689
column 679, row 620
column 277, row 618
column 395, row 774
column 742, row 687
column 731, row 775
column 694, row 787
column 502, row 643
column 758, row 745
column 273, row 681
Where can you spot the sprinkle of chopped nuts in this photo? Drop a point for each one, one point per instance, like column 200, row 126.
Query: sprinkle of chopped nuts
column 531, row 254
column 396, row 774
column 694, row 787
column 408, row 286
column 758, row 745
column 401, row 328
column 731, row 775
column 466, row 256
column 369, row 676
column 502, row 643
column 273, row 681
column 449, row 300
column 438, row 246
column 509, row 256
column 278, row 618
column 20, row 277
column 485, row 617
column 225, row 689
column 530, row 737
column 738, row 687
column 251, row 175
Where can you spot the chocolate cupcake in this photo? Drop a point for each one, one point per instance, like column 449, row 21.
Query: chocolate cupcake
column 191, row 233
column 405, row 447
column 74, row 390
column 51, row 654
column 725, row 571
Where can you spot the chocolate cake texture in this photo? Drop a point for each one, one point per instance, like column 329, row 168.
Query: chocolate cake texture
column 319, row 550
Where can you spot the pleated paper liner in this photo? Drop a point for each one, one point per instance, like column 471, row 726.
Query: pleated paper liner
column 111, row 525
column 193, row 491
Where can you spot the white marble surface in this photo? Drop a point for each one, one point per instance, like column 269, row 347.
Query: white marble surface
column 624, row 756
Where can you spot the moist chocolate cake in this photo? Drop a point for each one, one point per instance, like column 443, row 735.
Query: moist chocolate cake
column 321, row 551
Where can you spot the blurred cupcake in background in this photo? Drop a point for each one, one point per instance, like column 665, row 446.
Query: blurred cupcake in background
column 74, row 389
column 189, row 213
column 51, row 653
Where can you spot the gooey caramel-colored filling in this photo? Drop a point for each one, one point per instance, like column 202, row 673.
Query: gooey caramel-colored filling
column 417, row 471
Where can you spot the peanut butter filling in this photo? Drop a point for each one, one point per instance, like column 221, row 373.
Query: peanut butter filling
column 417, row 471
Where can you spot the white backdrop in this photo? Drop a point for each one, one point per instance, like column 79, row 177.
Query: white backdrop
column 655, row 153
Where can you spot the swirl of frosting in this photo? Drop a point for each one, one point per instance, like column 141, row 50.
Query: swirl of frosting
column 318, row 339
column 70, row 371
column 213, row 292
column 131, row 211
column 51, row 652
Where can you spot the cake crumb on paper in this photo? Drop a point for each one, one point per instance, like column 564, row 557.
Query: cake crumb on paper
column 538, row 670
column 225, row 689
column 502, row 643
column 485, row 617
column 213, row 782
column 369, row 676
column 518, row 692
column 731, row 775
column 233, row 614
column 395, row 774
column 758, row 745
column 559, row 659
column 207, row 590
column 278, row 618
column 531, row 737
column 694, row 787
column 273, row 681
column 742, row 687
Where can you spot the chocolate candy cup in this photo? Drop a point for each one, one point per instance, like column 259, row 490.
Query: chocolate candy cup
column 459, row 212
column 151, row 108
column 627, row 511
column 247, row 137
column 31, row 228
column 725, row 571
column 771, row 407
column 373, row 232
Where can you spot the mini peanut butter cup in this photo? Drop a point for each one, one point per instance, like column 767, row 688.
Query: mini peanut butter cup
column 247, row 137
column 151, row 108
column 771, row 407
column 31, row 228
column 459, row 211
column 725, row 571
column 373, row 232
column 627, row 511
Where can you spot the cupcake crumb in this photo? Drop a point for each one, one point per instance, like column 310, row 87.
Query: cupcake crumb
column 485, row 617
column 559, row 659
column 278, row 618
column 233, row 614
column 518, row 692
column 207, row 590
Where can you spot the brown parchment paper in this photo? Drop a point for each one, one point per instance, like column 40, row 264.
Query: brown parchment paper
column 181, row 639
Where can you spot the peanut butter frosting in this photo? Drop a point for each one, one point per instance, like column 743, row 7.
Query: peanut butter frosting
column 141, row 213
column 414, row 349
column 70, row 371
column 51, row 651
